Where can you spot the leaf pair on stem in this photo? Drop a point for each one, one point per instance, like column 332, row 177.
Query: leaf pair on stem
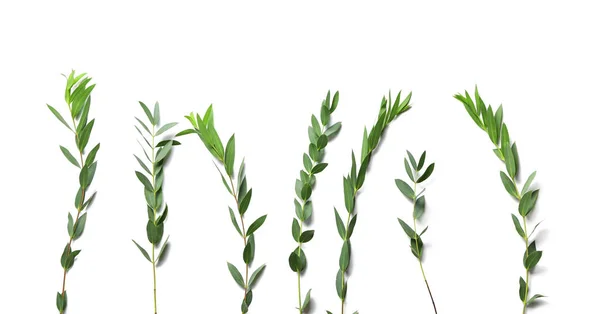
column 319, row 134
column 156, row 152
column 237, row 186
column 492, row 123
column 352, row 183
column 78, row 100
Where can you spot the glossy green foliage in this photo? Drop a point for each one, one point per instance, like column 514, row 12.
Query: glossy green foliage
column 78, row 99
column 492, row 123
column 237, row 186
column 156, row 150
column 388, row 111
column 320, row 133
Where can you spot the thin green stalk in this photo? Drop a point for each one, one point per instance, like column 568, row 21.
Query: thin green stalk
column 352, row 182
column 78, row 100
column 205, row 129
column 418, row 203
column 320, row 132
column 506, row 150
column 153, row 192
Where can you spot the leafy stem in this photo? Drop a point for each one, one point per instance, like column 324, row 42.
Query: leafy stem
column 506, row 150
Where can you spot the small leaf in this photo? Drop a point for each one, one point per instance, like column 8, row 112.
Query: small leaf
column 235, row 273
column 230, row 155
column 70, row 229
column 164, row 215
column 145, row 181
column 307, row 236
column 535, row 297
column 306, row 192
column 294, row 262
column 518, row 226
column 421, row 161
column 522, row 289
column 413, row 162
column 345, row 256
column 69, row 156
column 322, row 142
column 59, row 117
column 154, row 232
column 296, row 230
column 333, row 130
column 427, row 173
column 255, row 275
column 351, row 226
column 165, row 128
column 143, row 251
column 234, row 221
column 533, row 259
column 318, row 168
column 325, row 115
column 419, row 207
column 340, row 285
column 248, row 255
column 148, row 114
column 307, row 162
column 164, row 151
column 308, row 209
column 348, row 195
column 405, row 189
column 256, row 224
column 306, row 301
column 340, row 225
column 528, row 182
column 80, row 225
column 84, row 137
column 509, row 185
column 245, row 202
column 163, row 249
column 409, row 171
column 409, row 231
column 92, row 155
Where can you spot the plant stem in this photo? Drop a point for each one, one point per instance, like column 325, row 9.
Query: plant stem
column 419, row 253
column 154, row 211
column 299, row 250
column 237, row 203
column 154, row 275
column 526, row 270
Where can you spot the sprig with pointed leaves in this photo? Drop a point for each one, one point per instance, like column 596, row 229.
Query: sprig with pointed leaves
column 319, row 134
column 506, row 150
column 156, row 152
column 413, row 170
column 78, row 100
column 204, row 127
column 352, row 183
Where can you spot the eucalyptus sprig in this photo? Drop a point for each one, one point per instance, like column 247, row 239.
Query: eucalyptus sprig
column 78, row 99
column 418, row 201
column 319, row 134
column 238, row 188
column 492, row 123
column 354, row 181
column 156, row 153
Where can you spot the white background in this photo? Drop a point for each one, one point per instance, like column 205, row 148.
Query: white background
column 266, row 66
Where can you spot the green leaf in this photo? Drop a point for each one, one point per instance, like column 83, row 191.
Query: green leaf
column 528, row 182
column 365, row 145
column 164, row 151
column 255, row 275
column 351, row 226
column 58, row 116
column 70, row 229
column 340, row 225
column 419, row 207
column 535, row 297
column 256, row 224
column 340, row 285
column 235, row 273
column 325, row 115
column 156, row 113
column 532, row 259
column 345, row 256
column 61, row 301
column 333, row 130
column 413, row 162
column 307, row 236
column 92, row 155
column 409, row 231
column 79, row 226
column 154, row 232
column 145, row 181
column 315, row 125
column 84, row 137
column 230, row 155
column 509, row 185
column 334, row 102
column 234, row 221
column 348, row 195
column 307, row 162
column 427, row 173
column 69, row 156
column 509, row 159
column 163, row 249
column 362, row 172
column 405, row 189
column 308, row 209
column 306, row 301
column 164, row 215
column 518, row 226
column 245, row 202
column 421, row 161
column 409, row 171
column 299, row 210
column 148, row 114
column 469, row 106
column 527, row 202
column 143, row 165
column 143, row 126
column 143, row 251
column 318, row 168
column 165, row 128
column 294, row 262
column 248, row 255
column 306, row 192
column 515, row 154
column 322, row 142
column 522, row 289
column 296, row 230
